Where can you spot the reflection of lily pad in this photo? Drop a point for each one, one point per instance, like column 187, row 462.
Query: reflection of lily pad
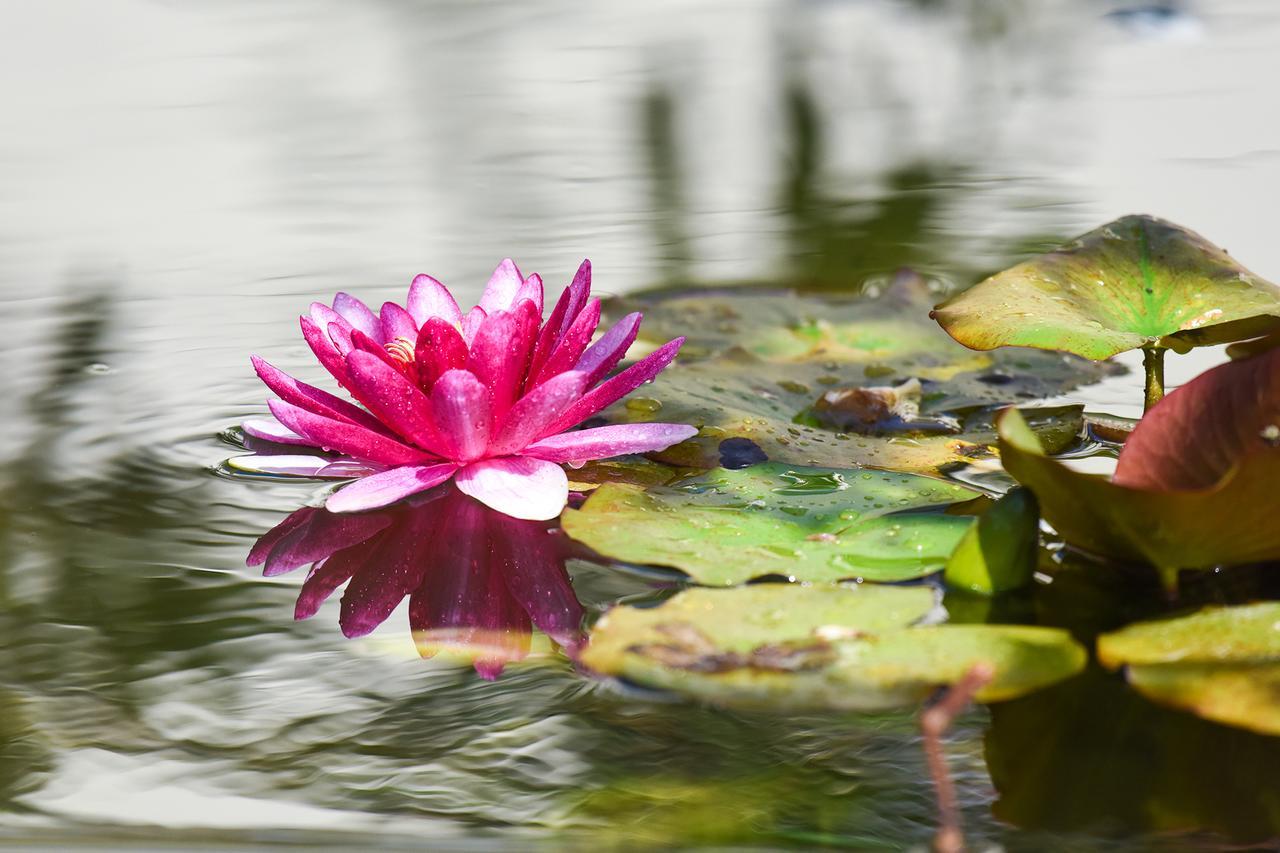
column 1222, row 663
column 725, row 527
column 1138, row 281
column 834, row 647
column 740, row 396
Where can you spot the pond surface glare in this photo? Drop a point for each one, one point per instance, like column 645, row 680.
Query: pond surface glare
column 179, row 181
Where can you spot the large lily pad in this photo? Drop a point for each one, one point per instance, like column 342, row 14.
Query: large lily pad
column 1222, row 507
column 823, row 647
column 741, row 396
column 1222, row 663
column 1135, row 282
column 725, row 527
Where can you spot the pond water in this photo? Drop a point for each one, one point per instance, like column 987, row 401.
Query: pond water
column 180, row 180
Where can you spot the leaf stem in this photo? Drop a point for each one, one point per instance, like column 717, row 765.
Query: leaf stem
column 1153, row 366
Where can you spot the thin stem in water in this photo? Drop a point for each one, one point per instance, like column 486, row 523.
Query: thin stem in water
column 934, row 723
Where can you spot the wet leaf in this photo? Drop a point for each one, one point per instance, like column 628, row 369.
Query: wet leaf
column 998, row 554
column 1137, row 281
column 842, row 648
column 1222, row 663
column 739, row 396
column 879, row 410
column 725, row 527
column 1223, row 509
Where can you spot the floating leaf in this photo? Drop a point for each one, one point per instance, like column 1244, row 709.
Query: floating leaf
column 830, row 646
column 1225, row 475
column 1222, row 663
column 725, row 527
column 1138, row 281
column 740, row 396
column 998, row 554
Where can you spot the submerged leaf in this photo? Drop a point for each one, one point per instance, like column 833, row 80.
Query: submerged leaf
column 725, row 527
column 820, row 647
column 1222, row 663
column 1137, row 281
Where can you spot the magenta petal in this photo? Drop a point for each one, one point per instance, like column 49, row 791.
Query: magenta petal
column 463, row 414
column 613, row 390
column 440, row 347
column 567, row 308
column 605, row 353
column 296, row 520
column 323, row 349
column 572, row 344
column 500, row 292
column 340, row 334
column 311, row 398
column 270, row 429
column 358, row 315
column 500, row 354
column 327, row 577
column 324, row 317
column 395, row 400
column 347, row 438
column 397, row 323
column 603, row 442
column 429, row 298
column 471, row 323
column 533, row 412
column 379, row 490
column 517, row 486
column 388, row 574
column 531, row 290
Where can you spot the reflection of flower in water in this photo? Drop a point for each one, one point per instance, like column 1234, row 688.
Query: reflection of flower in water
column 488, row 398
column 477, row 581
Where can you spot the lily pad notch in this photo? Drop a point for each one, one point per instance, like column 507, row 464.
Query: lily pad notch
column 1136, row 283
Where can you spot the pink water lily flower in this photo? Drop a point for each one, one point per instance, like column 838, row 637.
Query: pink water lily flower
column 488, row 398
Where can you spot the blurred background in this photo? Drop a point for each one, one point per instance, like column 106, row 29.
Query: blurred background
column 179, row 179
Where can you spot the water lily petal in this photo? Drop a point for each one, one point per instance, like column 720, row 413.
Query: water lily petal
column 572, row 344
column 310, row 398
column 518, row 486
column 604, row 354
column 463, row 414
column 323, row 349
column 471, row 323
column 358, row 315
column 395, row 568
column 296, row 520
column 397, row 323
column 566, row 310
column 380, row 490
column 531, row 289
column 615, row 440
column 324, row 316
column 395, row 400
column 440, row 347
column 327, row 577
column 613, row 390
column 350, row 439
column 534, row 411
column 270, row 429
column 429, row 298
column 309, row 466
column 499, row 354
column 500, row 292
column 528, row 558
column 340, row 335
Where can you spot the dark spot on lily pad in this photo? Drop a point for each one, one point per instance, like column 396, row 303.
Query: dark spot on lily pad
column 738, row 453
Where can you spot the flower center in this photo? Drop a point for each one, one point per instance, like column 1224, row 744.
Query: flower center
column 400, row 350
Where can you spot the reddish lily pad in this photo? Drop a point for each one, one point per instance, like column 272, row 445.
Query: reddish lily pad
column 1135, row 282
column 1222, row 663
column 823, row 647
column 726, row 527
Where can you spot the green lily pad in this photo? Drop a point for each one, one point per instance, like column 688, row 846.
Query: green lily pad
column 726, row 527
column 1222, row 663
column 1135, row 282
column 822, row 647
column 740, row 396
column 998, row 554
column 1197, row 491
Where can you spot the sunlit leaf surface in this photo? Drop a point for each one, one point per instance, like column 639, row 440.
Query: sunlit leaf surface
column 827, row 647
column 1137, row 281
column 725, row 527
